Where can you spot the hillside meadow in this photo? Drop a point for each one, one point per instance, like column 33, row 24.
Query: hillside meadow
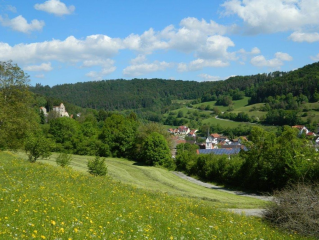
column 160, row 180
column 40, row 201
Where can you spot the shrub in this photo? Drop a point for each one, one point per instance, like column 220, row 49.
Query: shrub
column 64, row 159
column 97, row 166
column 296, row 208
column 36, row 146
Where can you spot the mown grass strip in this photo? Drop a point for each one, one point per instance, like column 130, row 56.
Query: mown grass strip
column 39, row 201
column 162, row 180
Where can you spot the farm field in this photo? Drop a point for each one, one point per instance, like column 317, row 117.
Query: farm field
column 39, row 201
column 161, row 180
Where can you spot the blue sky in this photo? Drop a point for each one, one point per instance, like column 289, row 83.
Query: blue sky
column 68, row 41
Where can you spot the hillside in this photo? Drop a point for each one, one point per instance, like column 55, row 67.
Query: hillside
column 45, row 202
column 143, row 93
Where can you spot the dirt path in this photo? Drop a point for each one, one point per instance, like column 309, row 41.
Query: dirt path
column 247, row 212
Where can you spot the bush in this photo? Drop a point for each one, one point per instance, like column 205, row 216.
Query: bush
column 36, row 146
column 64, row 159
column 97, row 167
column 296, row 208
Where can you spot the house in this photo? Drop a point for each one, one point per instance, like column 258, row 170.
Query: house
column 192, row 133
column 301, row 129
column 61, row 110
column 183, row 130
column 215, row 135
column 311, row 134
column 240, row 140
column 44, row 110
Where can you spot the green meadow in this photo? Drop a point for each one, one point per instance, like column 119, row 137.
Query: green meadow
column 41, row 201
column 160, row 180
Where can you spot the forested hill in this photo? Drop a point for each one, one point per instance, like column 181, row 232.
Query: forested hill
column 303, row 81
column 145, row 93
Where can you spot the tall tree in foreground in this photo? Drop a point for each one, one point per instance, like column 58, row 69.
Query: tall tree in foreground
column 17, row 117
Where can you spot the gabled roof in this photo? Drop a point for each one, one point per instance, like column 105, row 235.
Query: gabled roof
column 311, row 134
column 215, row 135
column 298, row 127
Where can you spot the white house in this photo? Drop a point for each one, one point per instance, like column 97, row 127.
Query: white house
column 61, row 110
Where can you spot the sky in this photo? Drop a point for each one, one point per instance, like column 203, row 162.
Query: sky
column 69, row 41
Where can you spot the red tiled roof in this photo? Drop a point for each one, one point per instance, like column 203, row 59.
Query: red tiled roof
column 298, row 126
column 215, row 135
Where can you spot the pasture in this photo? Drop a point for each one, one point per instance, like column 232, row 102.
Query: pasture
column 41, row 201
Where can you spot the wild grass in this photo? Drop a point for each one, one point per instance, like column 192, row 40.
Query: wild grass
column 161, row 180
column 40, row 201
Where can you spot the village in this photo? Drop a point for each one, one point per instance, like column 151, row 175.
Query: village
column 218, row 144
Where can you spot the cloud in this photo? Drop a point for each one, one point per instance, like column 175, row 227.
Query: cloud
column 201, row 38
column 260, row 60
column 11, row 8
column 107, row 66
column 199, row 64
column 189, row 37
column 304, row 37
column 207, row 77
column 138, row 60
column 283, row 56
column 243, row 54
column 70, row 50
column 100, row 75
column 216, row 47
column 144, row 68
column 271, row 16
column 315, row 58
column 55, row 7
column 20, row 24
column 37, row 68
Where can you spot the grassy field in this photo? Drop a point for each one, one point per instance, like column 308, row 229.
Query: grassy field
column 237, row 104
column 161, row 180
column 39, row 201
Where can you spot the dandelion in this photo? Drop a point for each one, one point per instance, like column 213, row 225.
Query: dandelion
column 43, row 237
column 53, row 222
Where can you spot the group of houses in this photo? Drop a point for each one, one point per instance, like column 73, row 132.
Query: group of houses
column 59, row 110
column 183, row 131
column 214, row 143
column 218, row 144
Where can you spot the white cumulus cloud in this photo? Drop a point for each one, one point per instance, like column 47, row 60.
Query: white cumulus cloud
column 37, row 68
column 55, row 7
column 275, row 63
column 20, row 24
column 270, row 16
column 69, row 50
column 107, row 67
column 144, row 68
column 207, row 77
column 304, row 37
column 199, row 64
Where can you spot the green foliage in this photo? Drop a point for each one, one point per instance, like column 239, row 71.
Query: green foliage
column 64, row 159
column 155, row 151
column 271, row 162
column 17, row 117
column 36, row 145
column 97, row 166
column 224, row 100
column 119, row 134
